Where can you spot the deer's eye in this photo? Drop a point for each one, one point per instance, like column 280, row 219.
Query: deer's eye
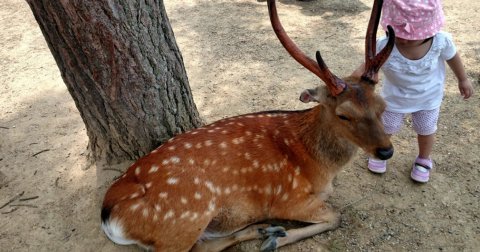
column 342, row 117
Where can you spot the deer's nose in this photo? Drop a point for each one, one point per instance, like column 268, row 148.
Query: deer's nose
column 384, row 153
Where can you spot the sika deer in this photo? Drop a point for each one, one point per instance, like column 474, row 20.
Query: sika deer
column 212, row 187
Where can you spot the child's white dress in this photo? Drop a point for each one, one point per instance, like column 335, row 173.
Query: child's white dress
column 414, row 85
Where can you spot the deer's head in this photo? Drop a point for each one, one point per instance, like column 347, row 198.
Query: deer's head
column 354, row 108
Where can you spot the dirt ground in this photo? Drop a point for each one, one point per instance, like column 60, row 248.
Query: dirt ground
column 50, row 198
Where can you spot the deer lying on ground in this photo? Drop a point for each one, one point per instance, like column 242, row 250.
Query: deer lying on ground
column 215, row 186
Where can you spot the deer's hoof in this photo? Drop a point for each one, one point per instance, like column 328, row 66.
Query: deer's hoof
column 276, row 231
column 270, row 244
column 272, row 233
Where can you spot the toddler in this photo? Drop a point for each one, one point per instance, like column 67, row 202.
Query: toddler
column 414, row 75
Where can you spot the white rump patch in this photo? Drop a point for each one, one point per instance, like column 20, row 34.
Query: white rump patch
column 114, row 231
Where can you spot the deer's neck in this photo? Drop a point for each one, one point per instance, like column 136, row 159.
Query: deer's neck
column 321, row 139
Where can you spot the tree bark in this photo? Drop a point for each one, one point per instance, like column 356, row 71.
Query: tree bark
column 122, row 66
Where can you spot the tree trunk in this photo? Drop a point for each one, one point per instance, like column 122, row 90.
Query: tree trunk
column 121, row 64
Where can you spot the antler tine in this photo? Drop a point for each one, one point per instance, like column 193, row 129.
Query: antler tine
column 374, row 61
column 334, row 84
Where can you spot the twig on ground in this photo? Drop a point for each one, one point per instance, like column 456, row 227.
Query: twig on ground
column 11, row 211
column 2, row 127
column 29, row 198
column 24, row 205
column 113, row 169
column 12, row 199
column 354, row 202
column 42, row 151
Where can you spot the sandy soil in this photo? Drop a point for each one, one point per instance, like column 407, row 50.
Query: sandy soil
column 236, row 65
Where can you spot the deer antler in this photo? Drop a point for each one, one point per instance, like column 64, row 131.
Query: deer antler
column 334, row 84
column 374, row 61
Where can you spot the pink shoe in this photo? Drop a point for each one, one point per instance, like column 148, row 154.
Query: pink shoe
column 377, row 165
column 421, row 170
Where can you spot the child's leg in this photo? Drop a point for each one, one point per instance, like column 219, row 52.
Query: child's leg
column 425, row 145
column 392, row 123
column 425, row 124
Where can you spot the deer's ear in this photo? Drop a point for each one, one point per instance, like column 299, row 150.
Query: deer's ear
column 313, row 95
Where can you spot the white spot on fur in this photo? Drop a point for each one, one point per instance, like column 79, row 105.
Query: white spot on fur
column 285, row 197
column 297, row 171
column 157, row 207
column 237, row 140
column 210, row 186
column 198, row 145
column 194, row 216
column 172, row 148
column 208, row 143
column 175, row 160
column 153, row 169
column 163, row 195
column 211, row 206
column 197, row 195
column 223, row 145
column 145, row 212
column 184, row 215
column 187, row 145
column 295, row 183
column 278, row 190
column 169, row 215
column 172, row 181
column 227, row 190
column 183, row 200
column 134, row 207
column 206, row 162
column 137, row 170
column 148, row 185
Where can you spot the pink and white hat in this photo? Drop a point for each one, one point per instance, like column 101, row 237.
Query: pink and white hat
column 413, row 19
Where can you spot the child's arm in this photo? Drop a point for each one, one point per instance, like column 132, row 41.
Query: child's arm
column 464, row 84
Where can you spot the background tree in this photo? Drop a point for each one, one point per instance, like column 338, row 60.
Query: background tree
column 122, row 66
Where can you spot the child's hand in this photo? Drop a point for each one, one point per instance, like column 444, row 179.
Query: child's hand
column 466, row 88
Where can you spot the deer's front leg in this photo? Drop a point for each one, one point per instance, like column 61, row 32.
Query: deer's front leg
column 322, row 217
column 257, row 231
